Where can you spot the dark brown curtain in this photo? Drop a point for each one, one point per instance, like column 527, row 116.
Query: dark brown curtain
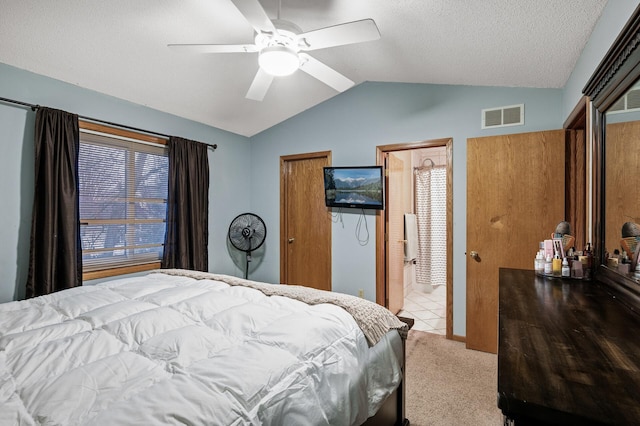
column 55, row 256
column 187, row 237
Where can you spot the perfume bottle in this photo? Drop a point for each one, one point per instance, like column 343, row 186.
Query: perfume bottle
column 556, row 265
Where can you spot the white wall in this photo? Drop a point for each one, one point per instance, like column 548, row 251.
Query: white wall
column 351, row 125
column 228, row 188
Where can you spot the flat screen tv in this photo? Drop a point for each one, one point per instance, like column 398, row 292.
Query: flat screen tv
column 360, row 187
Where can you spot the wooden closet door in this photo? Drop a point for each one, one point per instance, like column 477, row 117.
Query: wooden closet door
column 515, row 199
column 305, row 221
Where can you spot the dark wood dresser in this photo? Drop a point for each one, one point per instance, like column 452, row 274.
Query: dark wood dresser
column 568, row 352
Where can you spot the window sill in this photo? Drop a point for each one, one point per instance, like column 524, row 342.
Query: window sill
column 112, row 272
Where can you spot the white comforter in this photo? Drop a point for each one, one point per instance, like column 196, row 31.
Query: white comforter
column 163, row 349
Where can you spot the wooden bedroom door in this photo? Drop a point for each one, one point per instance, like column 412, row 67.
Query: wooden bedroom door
column 515, row 199
column 305, row 221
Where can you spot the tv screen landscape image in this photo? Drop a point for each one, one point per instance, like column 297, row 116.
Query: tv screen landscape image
column 360, row 187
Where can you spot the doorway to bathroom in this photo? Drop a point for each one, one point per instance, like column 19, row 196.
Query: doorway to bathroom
column 414, row 238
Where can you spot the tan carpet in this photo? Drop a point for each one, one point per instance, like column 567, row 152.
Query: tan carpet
column 448, row 384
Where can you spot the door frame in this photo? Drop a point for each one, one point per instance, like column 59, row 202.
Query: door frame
column 579, row 173
column 283, row 216
column 381, row 259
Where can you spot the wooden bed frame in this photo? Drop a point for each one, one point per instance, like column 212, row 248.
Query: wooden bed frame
column 392, row 411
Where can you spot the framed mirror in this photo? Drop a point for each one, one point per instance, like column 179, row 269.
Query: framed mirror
column 614, row 90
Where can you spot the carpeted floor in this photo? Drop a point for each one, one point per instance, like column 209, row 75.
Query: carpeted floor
column 448, row 384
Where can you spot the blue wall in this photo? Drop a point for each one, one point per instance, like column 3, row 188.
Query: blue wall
column 613, row 18
column 352, row 124
column 368, row 115
column 228, row 188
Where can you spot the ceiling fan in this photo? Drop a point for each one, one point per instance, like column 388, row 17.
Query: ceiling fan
column 281, row 45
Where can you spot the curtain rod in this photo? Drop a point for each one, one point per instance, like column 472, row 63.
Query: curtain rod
column 35, row 107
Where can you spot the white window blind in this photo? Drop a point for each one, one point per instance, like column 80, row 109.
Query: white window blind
column 123, row 201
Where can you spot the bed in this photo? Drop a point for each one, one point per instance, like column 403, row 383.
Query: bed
column 185, row 347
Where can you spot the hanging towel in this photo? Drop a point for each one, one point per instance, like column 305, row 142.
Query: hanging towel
column 411, row 237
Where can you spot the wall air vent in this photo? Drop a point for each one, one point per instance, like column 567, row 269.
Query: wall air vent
column 512, row 115
column 629, row 102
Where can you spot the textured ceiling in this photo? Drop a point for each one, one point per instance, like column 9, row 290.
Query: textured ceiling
column 119, row 47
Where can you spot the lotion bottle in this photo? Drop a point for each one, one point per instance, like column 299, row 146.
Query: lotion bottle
column 566, row 272
column 539, row 263
column 548, row 266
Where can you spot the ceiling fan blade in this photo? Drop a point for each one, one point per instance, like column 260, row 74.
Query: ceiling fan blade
column 215, row 48
column 338, row 35
column 260, row 85
column 255, row 14
column 324, row 73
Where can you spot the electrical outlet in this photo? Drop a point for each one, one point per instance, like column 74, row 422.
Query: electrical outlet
column 361, row 293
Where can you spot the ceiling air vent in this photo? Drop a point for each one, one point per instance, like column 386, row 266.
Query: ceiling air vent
column 512, row 115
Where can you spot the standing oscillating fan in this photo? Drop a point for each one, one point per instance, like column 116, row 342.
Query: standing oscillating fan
column 247, row 232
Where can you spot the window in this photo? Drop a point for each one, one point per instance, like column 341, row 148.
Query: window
column 123, row 179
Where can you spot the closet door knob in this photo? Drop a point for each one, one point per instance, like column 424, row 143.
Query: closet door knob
column 291, row 240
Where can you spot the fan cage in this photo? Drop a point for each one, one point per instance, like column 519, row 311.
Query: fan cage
column 247, row 232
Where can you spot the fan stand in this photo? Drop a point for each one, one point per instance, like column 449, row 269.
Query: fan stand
column 248, row 255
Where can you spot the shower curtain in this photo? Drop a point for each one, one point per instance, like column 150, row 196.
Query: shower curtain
column 431, row 208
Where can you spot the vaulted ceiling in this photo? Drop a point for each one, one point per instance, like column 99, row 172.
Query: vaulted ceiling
column 119, row 48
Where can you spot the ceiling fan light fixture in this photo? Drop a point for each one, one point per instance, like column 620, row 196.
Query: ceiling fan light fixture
column 279, row 60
